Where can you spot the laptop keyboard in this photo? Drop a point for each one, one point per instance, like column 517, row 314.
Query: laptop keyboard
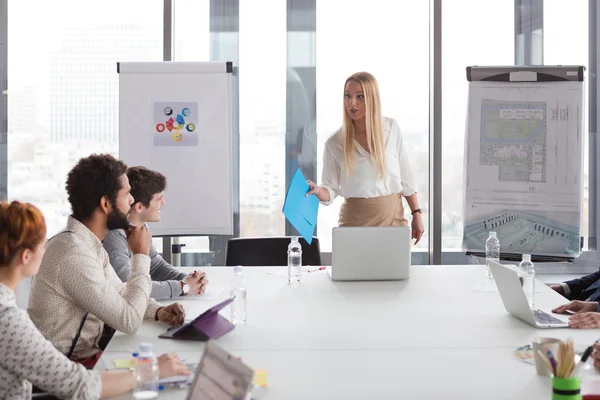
column 545, row 318
column 192, row 367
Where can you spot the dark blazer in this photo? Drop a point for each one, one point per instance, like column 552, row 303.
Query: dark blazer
column 585, row 288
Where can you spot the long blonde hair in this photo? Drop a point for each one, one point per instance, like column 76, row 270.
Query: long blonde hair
column 373, row 122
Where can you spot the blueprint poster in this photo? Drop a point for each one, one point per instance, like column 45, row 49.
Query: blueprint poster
column 175, row 124
column 523, row 167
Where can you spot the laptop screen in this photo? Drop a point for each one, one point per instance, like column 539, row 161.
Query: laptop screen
column 220, row 376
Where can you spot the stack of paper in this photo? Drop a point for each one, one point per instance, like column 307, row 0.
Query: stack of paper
column 525, row 354
column 124, row 364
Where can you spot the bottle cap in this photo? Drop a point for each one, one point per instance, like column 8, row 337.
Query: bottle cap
column 492, row 234
column 146, row 347
column 237, row 268
column 526, row 257
column 295, row 238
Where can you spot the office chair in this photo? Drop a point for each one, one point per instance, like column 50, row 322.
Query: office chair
column 268, row 251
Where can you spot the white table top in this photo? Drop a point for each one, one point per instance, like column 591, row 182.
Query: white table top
column 323, row 339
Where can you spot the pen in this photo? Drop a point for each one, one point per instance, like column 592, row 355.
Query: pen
column 586, row 354
column 552, row 361
column 316, row 269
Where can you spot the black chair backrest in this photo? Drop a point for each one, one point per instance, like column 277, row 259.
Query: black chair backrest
column 268, row 251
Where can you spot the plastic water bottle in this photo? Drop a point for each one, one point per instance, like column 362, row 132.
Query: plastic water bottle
column 145, row 373
column 238, row 289
column 528, row 276
column 492, row 252
column 294, row 260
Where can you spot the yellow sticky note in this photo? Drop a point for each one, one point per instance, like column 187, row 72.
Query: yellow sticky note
column 259, row 371
column 124, row 364
column 260, row 377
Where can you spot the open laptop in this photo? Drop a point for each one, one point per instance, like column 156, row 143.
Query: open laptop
column 515, row 302
column 370, row 253
column 220, row 376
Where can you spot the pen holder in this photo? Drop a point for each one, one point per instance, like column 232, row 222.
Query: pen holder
column 566, row 388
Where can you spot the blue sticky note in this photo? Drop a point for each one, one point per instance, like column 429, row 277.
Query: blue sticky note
column 301, row 211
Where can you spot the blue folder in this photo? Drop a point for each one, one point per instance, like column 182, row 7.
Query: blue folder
column 301, row 211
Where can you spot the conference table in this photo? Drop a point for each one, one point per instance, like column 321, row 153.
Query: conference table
column 443, row 333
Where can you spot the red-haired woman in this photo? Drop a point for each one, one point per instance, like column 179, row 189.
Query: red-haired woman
column 26, row 357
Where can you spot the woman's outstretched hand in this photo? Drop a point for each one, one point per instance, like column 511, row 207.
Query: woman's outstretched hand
column 321, row 193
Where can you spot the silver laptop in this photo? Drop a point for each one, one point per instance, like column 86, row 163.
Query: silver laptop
column 370, row 253
column 220, row 376
column 512, row 294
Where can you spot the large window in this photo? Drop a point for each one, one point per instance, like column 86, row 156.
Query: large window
column 262, row 105
column 262, row 117
column 191, row 42
column 391, row 41
column 485, row 38
column 191, row 30
column 566, row 42
column 63, row 88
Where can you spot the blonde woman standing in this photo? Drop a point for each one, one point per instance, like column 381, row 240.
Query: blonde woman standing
column 366, row 162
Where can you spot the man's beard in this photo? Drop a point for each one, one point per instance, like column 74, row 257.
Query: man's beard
column 116, row 219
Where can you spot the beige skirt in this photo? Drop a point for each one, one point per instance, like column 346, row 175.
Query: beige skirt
column 374, row 211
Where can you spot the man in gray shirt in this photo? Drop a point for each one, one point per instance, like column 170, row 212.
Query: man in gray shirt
column 147, row 188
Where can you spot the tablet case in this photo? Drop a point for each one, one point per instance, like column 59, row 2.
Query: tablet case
column 208, row 325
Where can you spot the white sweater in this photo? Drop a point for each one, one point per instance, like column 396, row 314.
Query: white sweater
column 76, row 277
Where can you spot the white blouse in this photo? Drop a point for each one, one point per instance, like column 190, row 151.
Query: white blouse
column 365, row 180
